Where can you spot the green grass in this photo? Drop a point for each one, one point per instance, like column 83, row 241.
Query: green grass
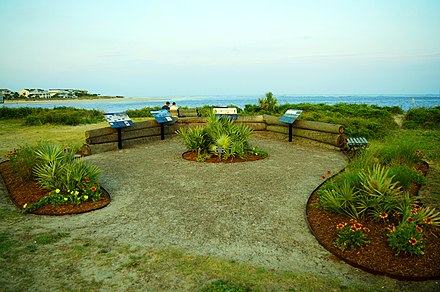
column 36, row 259
column 99, row 264
column 13, row 133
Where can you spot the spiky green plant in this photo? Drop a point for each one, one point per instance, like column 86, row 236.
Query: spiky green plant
column 340, row 199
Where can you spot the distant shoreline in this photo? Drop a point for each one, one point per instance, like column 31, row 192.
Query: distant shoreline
column 79, row 100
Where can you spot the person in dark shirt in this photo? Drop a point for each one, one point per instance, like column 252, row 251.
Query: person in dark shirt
column 166, row 106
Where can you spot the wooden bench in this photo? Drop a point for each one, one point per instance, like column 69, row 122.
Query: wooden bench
column 357, row 143
column 183, row 113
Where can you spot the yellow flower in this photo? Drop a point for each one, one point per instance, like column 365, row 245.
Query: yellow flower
column 57, row 191
column 65, row 199
column 76, row 193
column 24, row 206
column 86, row 197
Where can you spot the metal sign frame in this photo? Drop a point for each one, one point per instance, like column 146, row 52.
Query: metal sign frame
column 290, row 117
column 162, row 117
column 119, row 121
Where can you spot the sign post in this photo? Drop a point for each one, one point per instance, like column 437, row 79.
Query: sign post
column 162, row 117
column 119, row 121
column 289, row 118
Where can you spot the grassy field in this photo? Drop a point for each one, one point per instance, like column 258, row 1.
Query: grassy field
column 28, row 257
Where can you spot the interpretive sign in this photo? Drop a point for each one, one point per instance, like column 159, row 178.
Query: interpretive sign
column 226, row 112
column 162, row 116
column 118, row 120
column 290, row 116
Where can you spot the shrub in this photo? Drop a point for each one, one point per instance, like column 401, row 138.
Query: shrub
column 68, row 179
column 406, row 237
column 340, row 199
column 351, row 235
column 406, row 177
column 422, row 118
column 23, row 161
column 143, row 112
column 218, row 133
column 63, row 116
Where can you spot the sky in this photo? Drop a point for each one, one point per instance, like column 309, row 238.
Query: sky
column 201, row 47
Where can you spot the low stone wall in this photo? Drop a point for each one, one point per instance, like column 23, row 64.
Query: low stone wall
column 106, row 139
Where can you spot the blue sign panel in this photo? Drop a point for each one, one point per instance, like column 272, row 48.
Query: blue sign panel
column 118, row 120
column 290, row 116
column 162, row 116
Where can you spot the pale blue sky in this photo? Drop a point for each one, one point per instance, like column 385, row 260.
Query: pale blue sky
column 192, row 47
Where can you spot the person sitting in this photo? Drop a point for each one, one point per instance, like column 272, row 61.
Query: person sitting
column 166, row 106
column 173, row 110
column 174, row 107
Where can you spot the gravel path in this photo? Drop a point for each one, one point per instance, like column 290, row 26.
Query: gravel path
column 250, row 212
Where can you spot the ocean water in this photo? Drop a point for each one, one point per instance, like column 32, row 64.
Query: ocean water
column 119, row 105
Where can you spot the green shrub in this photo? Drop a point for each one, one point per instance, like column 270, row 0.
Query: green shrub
column 406, row 177
column 407, row 237
column 351, row 235
column 143, row 112
column 63, row 116
column 218, row 133
column 67, row 179
column 422, row 118
column 23, row 161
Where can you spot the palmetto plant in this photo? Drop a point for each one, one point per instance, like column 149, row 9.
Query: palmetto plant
column 218, row 133
column 379, row 193
column 340, row 199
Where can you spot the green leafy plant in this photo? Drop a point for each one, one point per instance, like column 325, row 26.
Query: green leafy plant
column 340, row 199
column 406, row 237
column 351, row 235
column 406, row 177
column 218, row 133
column 69, row 180
column 23, row 161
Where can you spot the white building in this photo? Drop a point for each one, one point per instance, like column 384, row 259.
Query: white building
column 34, row 93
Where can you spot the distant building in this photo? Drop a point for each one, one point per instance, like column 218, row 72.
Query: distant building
column 6, row 92
column 1, row 98
column 67, row 93
column 52, row 93
column 34, row 93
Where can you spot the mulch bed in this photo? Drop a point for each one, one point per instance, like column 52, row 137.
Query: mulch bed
column 28, row 192
column 192, row 156
column 376, row 257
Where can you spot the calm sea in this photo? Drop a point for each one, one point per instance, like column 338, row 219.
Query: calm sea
column 118, row 105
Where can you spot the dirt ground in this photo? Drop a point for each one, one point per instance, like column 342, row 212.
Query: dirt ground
column 252, row 212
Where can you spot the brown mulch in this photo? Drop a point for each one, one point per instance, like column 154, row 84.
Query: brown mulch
column 23, row 191
column 192, row 156
column 376, row 257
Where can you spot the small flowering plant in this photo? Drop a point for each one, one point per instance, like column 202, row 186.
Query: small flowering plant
column 351, row 235
column 407, row 237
